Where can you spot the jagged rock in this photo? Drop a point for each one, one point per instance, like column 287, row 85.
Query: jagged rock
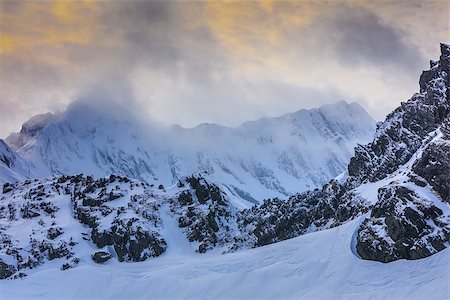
column 185, row 198
column 401, row 135
column 30, row 210
column 6, row 270
column 101, row 257
column 54, row 232
column 434, row 167
column 205, row 214
column 53, row 252
column 83, row 214
column 7, row 187
column 401, row 225
column 130, row 240
column 277, row 220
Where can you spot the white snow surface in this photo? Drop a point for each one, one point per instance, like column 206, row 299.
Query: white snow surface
column 319, row 265
column 270, row 157
column 12, row 168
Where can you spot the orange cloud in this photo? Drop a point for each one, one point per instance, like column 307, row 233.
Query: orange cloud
column 32, row 25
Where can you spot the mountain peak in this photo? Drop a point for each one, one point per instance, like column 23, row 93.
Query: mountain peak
column 30, row 129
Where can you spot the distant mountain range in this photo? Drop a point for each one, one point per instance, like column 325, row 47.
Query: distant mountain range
column 270, row 157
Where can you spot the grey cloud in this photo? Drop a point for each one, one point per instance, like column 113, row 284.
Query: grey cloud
column 152, row 35
column 357, row 37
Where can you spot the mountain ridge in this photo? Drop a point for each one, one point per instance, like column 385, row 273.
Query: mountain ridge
column 271, row 157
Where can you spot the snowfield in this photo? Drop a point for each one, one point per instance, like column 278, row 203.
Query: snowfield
column 320, row 265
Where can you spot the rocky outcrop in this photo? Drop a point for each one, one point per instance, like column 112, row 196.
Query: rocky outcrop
column 130, row 239
column 101, row 257
column 39, row 210
column 402, row 225
column 276, row 220
column 403, row 131
column 434, row 167
column 132, row 233
column 205, row 215
column 6, row 270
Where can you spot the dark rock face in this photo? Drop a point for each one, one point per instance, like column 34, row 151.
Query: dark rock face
column 29, row 202
column 403, row 131
column 277, row 220
column 7, row 187
column 133, row 238
column 6, row 270
column 101, row 257
column 54, row 232
column 204, row 191
column 131, row 242
column 205, row 214
column 402, row 225
column 434, row 167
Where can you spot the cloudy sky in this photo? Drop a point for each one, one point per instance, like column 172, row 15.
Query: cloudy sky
column 224, row 62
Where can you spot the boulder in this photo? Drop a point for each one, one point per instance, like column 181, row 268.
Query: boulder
column 6, row 270
column 101, row 257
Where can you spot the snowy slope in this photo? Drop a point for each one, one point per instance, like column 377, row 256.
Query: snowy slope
column 319, row 265
column 266, row 158
column 12, row 168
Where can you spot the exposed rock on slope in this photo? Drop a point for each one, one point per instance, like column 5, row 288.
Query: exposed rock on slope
column 58, row 218
column 401, row 135
column 402, row 224
column 42, row 220
column 434, row 164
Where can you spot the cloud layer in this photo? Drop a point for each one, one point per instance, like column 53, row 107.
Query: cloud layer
column 225, row 62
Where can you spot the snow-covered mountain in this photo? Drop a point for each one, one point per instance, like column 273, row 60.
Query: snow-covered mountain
column 12, row 168
column 30, row 129
column 270, row 157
